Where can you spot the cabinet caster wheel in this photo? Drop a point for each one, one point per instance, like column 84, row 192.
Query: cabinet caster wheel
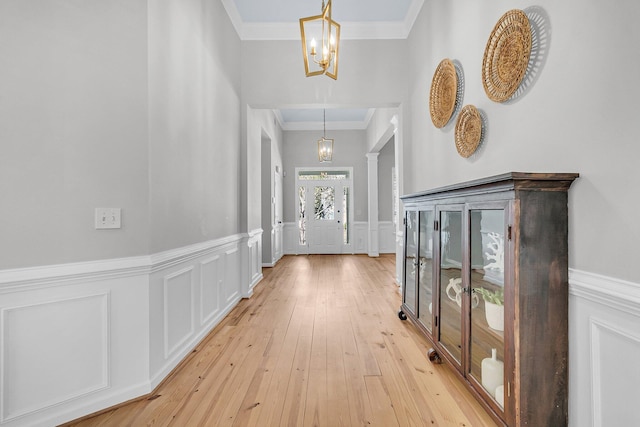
column 434, row 357
column 401, row 315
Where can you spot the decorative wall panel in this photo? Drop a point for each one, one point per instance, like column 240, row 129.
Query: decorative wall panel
column 614, row 353
column 231, row 280
column 210, row 284
column 178, row 309
column 53, row 352
column 604, row 343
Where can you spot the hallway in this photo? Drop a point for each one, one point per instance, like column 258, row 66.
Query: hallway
column 318, row 344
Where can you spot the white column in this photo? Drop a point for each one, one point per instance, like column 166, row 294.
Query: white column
column 372, row 163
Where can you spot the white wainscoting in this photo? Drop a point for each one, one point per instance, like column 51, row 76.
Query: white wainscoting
column 386, row 237
column 254, row 246
column 604, row 349
column 31, row 382
column 359, row 238
column 78, row 338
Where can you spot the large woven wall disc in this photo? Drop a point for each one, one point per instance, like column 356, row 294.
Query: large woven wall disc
column 468, row 132
column 506, row 56
column 444, row 89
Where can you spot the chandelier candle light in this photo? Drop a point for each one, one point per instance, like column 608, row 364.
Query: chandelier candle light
column 326, row 57
column 325, row 145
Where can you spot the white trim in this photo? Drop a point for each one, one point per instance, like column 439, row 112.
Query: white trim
column 345, row 248
column 179, row 255
column 104, row 383
column 359, row 238
column 615, row 293
column 349, row 30
column 141, row 278
column 597, row 327
column 39, row 276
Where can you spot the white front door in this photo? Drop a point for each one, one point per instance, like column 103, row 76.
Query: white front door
column 324, row 226
column 323, row 211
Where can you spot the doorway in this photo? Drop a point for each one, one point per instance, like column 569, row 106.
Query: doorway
column 324, row 211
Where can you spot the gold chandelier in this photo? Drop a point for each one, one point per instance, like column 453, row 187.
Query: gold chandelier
column 325, row 145
column 322, row 60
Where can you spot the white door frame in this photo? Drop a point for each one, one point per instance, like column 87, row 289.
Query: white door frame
column 346, row 248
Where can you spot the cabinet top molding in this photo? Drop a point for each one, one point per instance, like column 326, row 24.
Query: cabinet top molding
column 505, row 182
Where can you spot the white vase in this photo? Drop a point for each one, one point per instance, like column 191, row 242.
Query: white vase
column 495, row 315
column 500, row 395
column 492, row 373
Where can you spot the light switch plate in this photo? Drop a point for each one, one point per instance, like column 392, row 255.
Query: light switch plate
column 107, row 218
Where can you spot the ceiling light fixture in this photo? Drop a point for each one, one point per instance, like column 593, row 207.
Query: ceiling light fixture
column 326, row 57
column 325, row 145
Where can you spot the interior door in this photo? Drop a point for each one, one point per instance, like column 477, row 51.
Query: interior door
column 325, row 219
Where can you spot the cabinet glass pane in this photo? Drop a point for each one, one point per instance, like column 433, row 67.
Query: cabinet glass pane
column 411, row 261
column 425, row 253
column 487, row 302
column 451, row 282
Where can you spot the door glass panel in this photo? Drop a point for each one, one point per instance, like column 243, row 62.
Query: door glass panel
column 425, row 279
column 302, row 220
column 451, row 282
column 486, row 242
column 345, row 215
column 324, row 203
column 410, row 262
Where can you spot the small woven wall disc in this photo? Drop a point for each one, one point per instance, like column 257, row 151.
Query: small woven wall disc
column 506, row 56
column 442, row 97
column 468, row 130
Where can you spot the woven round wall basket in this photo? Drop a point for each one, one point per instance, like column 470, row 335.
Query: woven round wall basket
column 506, row 56
column 468, row 132
column 442, row 97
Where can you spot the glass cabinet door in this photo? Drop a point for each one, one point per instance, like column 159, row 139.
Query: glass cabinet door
column 486, row 243
column 411, row 261
column 425, row 276
column 451, row 282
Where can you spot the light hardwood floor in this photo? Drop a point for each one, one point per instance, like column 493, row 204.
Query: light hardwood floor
column 318, row 344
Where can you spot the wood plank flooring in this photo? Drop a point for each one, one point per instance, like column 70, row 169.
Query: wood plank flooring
column 318, row 344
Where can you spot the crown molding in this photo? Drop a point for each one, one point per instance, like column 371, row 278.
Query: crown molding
column 348, row 30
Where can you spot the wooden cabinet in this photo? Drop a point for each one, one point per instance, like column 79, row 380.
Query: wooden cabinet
column 499, row 239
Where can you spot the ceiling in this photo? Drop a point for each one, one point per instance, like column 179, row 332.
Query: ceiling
column 318, row 119
column 358, row 19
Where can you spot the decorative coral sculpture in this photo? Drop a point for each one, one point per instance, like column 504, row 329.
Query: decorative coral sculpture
column 495, row 254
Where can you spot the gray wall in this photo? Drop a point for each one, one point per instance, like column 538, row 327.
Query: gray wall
column 578, row 116
column 73, row 130
column 194, row 123
column 301, row 150
column 385, row 184
column 125, row 103
column 268, row 84
column 101, row 108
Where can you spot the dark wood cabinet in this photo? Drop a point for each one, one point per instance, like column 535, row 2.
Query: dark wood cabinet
column 501, row 239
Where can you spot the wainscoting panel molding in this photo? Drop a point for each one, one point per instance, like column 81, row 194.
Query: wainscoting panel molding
column 174, row 310
column 614, row 373
column 231, row 282
column 178, row 309
column 604, row 344
column 254, row 247
column 359, row 238
column 81, row 337
column 210, row 284
column 40, row 373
